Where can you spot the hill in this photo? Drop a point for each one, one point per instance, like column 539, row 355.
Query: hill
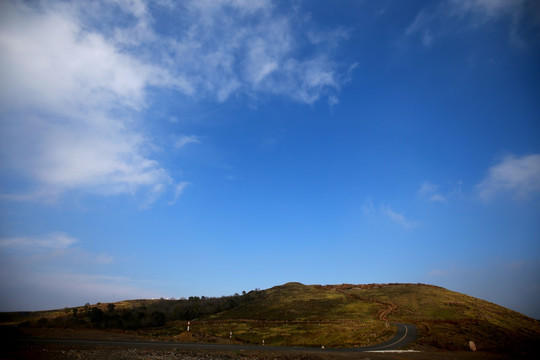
column 312, row 315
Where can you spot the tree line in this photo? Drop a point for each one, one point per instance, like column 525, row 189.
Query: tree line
column 145, row 313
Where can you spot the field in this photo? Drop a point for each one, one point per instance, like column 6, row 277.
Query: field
column 336, row 316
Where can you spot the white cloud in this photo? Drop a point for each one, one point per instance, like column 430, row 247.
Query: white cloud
column 487, row 8
column 518, row 282
column 387, row 212
column 46, row 271
column 57, row 240
column 67, row 98
column 431, row 192
column 453, row 16
column 237, row 47
column 397, row 217
column 57, row 247
column 440, row 193
column 75, row 83
column 28, row 289
column 178, row 191
column 368, row 207
column 185, row 140
column 514, row 175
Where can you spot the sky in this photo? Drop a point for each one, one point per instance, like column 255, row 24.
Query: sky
column 185, row 148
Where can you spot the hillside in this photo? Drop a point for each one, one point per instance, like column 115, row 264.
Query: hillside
column 312, row 315
column 447, row 319
column 357, row 315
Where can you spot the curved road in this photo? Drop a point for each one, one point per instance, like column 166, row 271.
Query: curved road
column 406, row 333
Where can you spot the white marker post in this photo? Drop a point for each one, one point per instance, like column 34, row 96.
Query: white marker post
column 230, row 334
column 188, row 323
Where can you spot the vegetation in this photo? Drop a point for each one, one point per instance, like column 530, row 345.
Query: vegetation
column 129, row 314
column 302, row 315
column 449, row 320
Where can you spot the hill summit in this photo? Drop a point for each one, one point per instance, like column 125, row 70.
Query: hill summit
column 295, row 314
column 445, row 319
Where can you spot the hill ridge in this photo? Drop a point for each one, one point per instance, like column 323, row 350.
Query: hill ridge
column 342, row 315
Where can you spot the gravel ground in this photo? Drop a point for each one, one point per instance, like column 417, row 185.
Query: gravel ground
column 25, row 350
column 60, row 352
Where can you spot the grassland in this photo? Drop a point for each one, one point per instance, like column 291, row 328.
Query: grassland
column 449, row 320
column 313, row 315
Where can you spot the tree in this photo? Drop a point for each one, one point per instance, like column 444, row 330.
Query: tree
column 110, row 307
column 96, row 315
column 157, row 318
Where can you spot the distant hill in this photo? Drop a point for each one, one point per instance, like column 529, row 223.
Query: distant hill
column 445, row 319
column 313, row 315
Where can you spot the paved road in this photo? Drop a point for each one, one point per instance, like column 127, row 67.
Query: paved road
column 406, row 333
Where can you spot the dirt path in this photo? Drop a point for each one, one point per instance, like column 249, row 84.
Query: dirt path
column 383, row 313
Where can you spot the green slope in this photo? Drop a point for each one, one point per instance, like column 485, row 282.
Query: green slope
column 301, row 315
column 312, row 315
column 447, row 319
column 356, row 315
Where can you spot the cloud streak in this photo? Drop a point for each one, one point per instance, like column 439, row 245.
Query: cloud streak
column 431, row 192
column 249, row 48
column 397, row 217
column 185, row 140
column 178, row 191
column 74, row 289
column 389, row 213
column 57, row 240
column 451, row 16
column 57, row 247
column 516, row 176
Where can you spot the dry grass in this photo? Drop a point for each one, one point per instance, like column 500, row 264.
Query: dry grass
column 299, row 333
column 348, row 316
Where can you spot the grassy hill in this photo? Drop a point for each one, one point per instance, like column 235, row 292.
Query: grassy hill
column 447, row 319
column 312, row 315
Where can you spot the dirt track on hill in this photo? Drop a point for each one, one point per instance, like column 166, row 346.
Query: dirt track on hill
column 383, row 314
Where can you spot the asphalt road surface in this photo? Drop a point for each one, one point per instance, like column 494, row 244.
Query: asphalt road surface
column 406, row 333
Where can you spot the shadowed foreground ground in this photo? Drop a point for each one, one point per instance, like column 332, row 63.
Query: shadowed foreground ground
column 63, row 352
column 15, row 347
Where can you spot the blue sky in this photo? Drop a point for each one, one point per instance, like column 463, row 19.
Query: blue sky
column 170, row 149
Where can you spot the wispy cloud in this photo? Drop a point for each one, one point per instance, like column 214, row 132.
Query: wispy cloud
column 441, row 19
column 386, row 211
column 518, row 281
column 264, row 44
column 368, row 207
column 73, row 92
column 431, row 192
column 185, row 140
column 72, row 288
column 487, row 9
column 57, row 266
column 178, row 191
column 513, row 175
column 57, row 247
column 67, row 99
column 440, row 193
column 56, row 240
column 397, row 217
